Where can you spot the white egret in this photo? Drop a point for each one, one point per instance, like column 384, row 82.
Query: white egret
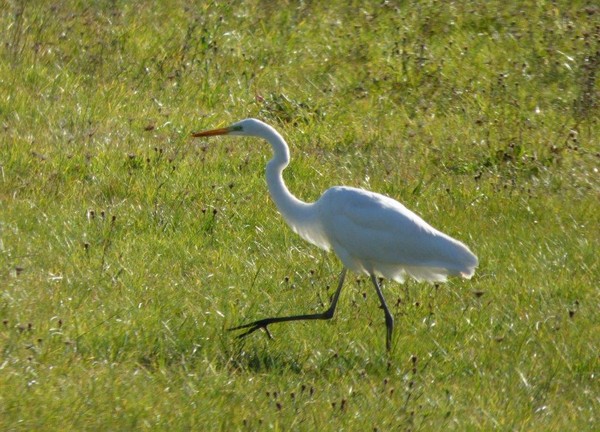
column 370, row 233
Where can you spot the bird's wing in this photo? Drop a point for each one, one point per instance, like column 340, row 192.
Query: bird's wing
column 384, row 236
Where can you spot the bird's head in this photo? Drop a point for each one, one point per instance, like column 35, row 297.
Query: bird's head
column 247, row 127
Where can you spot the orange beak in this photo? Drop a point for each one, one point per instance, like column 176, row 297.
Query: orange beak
column 222, row 131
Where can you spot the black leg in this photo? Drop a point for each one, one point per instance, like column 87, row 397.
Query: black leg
column 389, row 319
column 263, row 323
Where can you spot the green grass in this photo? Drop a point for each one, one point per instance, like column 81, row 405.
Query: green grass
column 128, row 248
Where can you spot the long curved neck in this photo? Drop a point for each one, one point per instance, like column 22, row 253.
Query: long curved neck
column 293, row 210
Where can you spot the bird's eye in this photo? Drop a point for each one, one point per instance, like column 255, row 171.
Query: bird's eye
column 236, row 129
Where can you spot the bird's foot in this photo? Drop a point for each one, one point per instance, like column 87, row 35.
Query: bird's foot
column 252, row 327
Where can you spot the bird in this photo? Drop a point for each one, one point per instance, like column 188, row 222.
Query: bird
column 371, row 234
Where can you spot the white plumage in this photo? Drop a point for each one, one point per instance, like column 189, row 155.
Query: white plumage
column 372, row 233
column 369, row 232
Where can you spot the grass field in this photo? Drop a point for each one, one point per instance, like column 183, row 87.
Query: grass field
column 127, row 248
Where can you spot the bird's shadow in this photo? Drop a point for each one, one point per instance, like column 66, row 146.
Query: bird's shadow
column 255, row 359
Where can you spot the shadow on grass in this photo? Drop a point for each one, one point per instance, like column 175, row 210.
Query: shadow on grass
column 256, row 360
column 243, row 357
